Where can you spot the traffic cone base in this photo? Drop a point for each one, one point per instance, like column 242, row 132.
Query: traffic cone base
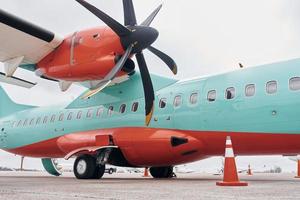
column 222, row 183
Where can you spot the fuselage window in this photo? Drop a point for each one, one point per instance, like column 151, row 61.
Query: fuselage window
column 79, row 114
column 110, row 110
column 19, row 123
column 122, row 108
column 89, row 114
column 99, row 112
column 194, row 98
column 250, row 90
column 212, row 95
column 70, row 116
column 163, row 103
column 177, row 101
column 271, row 87
column 31, row 121
column 38, row 120
column 61, row 117
column 294, row 83
column 230, row 93
column 25, row 122
column 52, row 119
column 135, row 107
column 45, row 120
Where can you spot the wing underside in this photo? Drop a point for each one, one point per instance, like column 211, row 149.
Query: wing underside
column 19, row 38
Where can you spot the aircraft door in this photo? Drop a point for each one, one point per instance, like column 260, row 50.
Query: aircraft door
column 163, row 111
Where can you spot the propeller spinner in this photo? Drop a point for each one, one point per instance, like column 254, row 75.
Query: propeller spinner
column 134, row 38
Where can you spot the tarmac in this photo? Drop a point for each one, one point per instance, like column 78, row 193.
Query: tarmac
column 40, row 186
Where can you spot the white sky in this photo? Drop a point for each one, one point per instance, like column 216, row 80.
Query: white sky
column 203, row 36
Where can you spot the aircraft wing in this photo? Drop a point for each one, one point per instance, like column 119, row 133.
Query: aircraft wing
column 22, row 42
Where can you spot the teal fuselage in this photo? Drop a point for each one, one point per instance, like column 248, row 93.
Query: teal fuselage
column 277, row 113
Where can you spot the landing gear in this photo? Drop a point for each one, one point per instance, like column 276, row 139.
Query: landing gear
column 85, row 167
column 162, row 172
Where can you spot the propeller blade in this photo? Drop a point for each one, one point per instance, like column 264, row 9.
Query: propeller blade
column 118, row 28
column 110, row 76
column 165, row 58
column 147, row 85
column 151, row 17
column 129, row 13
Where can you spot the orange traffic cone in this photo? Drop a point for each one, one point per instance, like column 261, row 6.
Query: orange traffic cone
column 146, row 172
column 298, row 172
column 249, row 171
column 230, row 173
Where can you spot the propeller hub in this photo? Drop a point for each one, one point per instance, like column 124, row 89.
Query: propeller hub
column 141, row 37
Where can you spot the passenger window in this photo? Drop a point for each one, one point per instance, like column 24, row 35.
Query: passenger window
column 294, row 83
column 38, row 120
column 110, row 110
column 70, row 116
column 52, row 119
column 79, row 114
column 212, row 95
column 135, row 107
column 45, row 120
column 230, row 93
column 89, row 114
column 99, row 112
column 163, row 103
column 19, row 123
column 25, row 122
column 194, row 98
column 31, row 121
column 122, row 108
column 61, row 117
column 177, row 101
column 271, row 87
column 250, row 90
column 13, row 124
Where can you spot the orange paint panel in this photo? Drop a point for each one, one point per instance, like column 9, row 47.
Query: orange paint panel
column 152, row 147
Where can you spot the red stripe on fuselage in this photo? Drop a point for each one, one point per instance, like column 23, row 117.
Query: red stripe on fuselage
column 147, row 146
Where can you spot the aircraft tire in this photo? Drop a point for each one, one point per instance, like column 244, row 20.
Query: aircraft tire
column 84, row 167
column 99, row 172
column 161, row 172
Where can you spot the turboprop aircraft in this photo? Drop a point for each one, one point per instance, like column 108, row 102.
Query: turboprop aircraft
column 257, row 106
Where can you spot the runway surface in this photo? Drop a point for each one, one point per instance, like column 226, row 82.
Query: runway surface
column 40, row 186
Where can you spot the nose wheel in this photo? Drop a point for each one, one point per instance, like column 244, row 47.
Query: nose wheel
column 85, row 167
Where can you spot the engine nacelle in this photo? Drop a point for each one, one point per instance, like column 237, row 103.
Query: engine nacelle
column 85, row 55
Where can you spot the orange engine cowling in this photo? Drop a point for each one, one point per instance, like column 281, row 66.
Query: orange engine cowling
column 85, row 55
column 159, row 147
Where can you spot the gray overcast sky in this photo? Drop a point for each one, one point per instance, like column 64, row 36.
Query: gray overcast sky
column 203, row 36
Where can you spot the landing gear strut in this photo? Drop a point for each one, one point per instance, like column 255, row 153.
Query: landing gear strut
column 85, row 167
column 162, row 172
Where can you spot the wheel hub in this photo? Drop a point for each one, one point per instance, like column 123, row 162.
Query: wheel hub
column 81, row 167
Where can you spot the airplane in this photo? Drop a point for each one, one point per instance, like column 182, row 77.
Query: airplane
column 189, row 121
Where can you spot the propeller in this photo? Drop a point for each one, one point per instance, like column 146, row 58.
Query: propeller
column 134, row 39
